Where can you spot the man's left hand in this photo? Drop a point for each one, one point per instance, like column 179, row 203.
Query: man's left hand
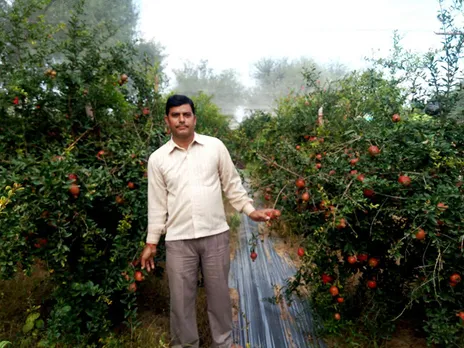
column 261, row 215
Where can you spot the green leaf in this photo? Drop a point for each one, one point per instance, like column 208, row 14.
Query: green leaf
column 31, row 318
column 42, row 343
column 28, row 327
column 39, row 324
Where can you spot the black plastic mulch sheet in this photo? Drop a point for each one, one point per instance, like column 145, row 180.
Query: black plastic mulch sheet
column 259, row 323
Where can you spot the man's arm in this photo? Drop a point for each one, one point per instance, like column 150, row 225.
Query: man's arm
column 157, row 212
column 234, row 190
column 157, row 202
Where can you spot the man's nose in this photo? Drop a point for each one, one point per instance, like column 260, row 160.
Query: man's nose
column 181, row 119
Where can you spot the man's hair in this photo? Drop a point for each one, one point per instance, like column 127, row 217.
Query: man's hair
column 178, row 100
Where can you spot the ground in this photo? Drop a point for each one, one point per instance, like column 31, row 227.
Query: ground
column 22, row 293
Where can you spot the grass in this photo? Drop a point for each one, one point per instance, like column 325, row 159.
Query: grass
column 17, row 296
column 153, row 304
column 22, row 293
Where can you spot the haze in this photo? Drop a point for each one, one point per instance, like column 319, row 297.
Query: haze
column 234, row 35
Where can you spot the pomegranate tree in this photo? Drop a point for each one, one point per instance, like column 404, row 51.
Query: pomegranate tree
column 382, row 217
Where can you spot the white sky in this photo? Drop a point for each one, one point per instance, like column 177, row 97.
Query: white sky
column 234, row 34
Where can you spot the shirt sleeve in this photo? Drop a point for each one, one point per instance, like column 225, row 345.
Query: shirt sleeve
column 232, row 183
column 157, row 202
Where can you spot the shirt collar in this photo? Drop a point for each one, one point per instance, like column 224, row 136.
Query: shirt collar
column 197, row 138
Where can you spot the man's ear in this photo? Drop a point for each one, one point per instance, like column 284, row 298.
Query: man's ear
column 166, row 120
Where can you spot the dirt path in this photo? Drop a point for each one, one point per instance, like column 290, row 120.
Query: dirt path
column 257, row 321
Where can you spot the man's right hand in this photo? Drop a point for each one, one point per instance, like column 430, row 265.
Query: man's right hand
column 146, row 258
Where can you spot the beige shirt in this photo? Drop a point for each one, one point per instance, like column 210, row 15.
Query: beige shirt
column 184, row 190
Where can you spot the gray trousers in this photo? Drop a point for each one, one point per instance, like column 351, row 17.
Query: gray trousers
column 182, row 261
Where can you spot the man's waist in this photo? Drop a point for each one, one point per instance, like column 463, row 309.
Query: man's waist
column 194, row 233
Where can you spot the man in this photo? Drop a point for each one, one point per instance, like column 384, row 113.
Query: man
column 185, row 178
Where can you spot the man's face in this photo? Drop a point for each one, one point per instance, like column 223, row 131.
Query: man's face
column 181, row 121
